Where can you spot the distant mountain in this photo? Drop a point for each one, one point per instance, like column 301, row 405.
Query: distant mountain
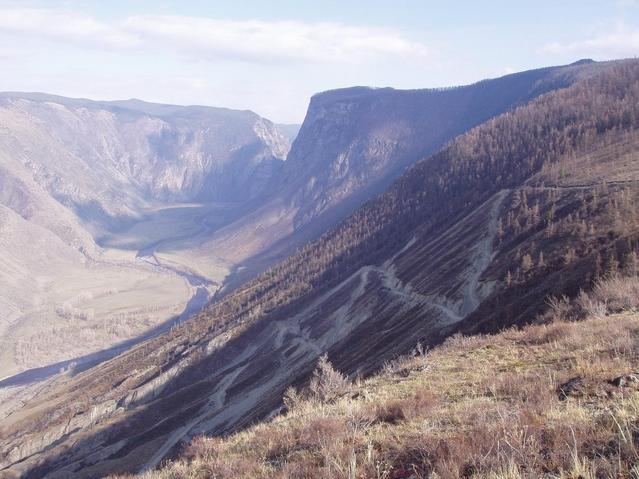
column 111, row 158
column 538, row 200
column 129, row 176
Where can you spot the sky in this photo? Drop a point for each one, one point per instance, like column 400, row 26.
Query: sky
column 272, row 56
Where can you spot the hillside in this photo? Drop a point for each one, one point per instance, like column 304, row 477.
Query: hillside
column 170, row 205
column 353, row 144
column 454, row 245
column 557, row 399
column 183, row 200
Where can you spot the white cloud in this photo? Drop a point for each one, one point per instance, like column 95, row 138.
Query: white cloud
column 272, row 41
column 619, row 41
column 7, row 53
column 208, row 38
column 68, row 27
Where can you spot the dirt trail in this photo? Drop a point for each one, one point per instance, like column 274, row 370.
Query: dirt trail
column 483, row 255
column 216, row 402
column 284, row 334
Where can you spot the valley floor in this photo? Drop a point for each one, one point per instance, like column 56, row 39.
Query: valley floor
column 559, row 399
column 85, row 307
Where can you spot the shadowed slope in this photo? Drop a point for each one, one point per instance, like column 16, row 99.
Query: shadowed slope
column 353, row 144
column 558, row 398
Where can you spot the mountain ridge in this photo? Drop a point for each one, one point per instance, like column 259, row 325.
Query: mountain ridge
column 369, row 137
column 135, row 104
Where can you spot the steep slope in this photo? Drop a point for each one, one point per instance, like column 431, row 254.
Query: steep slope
column 419, row 262
column 354, row 143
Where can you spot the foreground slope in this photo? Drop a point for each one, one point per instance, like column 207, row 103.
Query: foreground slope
column 559, row 399
column 463, row 228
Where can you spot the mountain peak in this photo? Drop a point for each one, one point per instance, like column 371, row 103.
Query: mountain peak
column 583, row 61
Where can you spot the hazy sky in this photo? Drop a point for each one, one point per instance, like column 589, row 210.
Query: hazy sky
column 271, row 56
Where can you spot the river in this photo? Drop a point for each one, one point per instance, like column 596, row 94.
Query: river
column 199, row 299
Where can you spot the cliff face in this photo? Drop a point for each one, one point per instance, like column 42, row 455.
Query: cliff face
column 354, row 143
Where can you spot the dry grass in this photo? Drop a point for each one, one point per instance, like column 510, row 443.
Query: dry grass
column 618, row 293
column 486, row 406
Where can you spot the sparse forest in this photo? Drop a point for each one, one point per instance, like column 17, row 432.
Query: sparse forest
column 542, row 138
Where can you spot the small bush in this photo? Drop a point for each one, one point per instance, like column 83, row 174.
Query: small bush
column 327, row 384
column 590, row 306
column 291, row 398
column 391, row 412
column 618, row 293
column 559, row 309
column 612, row 294
column 397, row 410
column 546, row 333
column 523, row 388
column 320, row 430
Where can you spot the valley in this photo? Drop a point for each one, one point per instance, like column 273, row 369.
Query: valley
column 89, row 301
column 536, row 201
column 156, row 208
column 321, row 240
column 376, row 233
column 114, row 220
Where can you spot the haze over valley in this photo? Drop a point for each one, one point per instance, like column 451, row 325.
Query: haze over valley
column 116, row 195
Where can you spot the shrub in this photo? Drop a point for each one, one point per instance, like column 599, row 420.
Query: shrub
column 327, row 384
column 591, row 306
column 291, row 398
column 546, row 333
column 322, row 430
column 613, row 294
column 397, row 410
column 618, row 293
column 392, row 412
